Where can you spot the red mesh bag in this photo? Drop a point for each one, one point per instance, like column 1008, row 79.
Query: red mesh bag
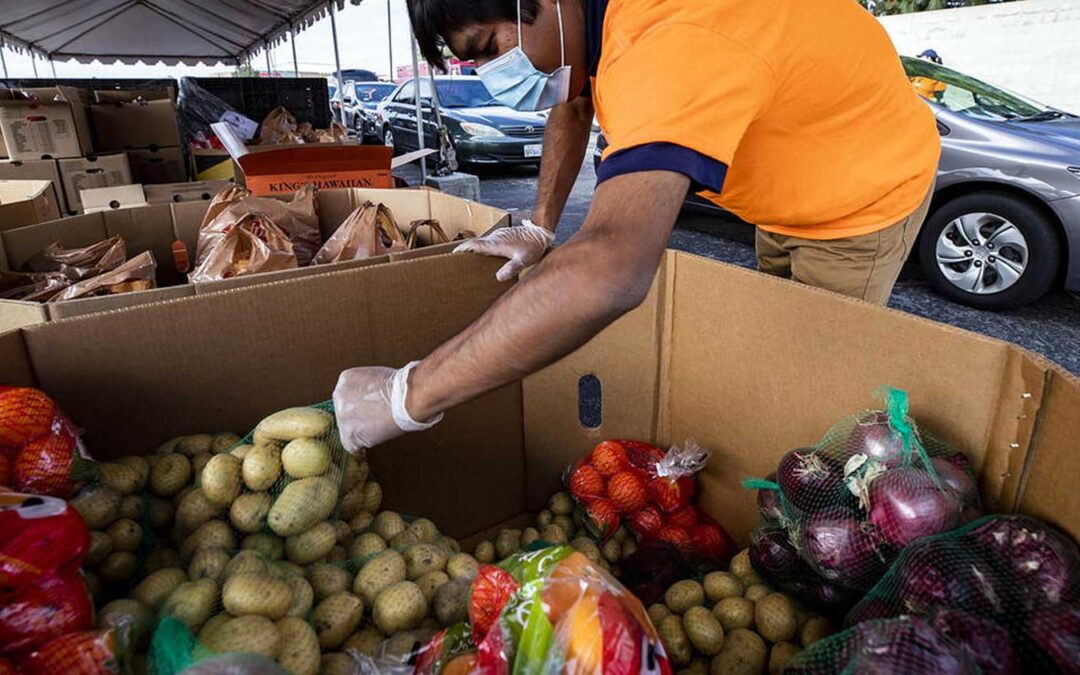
column 42, row 446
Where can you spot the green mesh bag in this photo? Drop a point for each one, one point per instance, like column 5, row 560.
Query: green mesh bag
column 835, row 515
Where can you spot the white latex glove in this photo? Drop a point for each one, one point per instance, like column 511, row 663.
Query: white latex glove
column 370, row 406
column 523, row 245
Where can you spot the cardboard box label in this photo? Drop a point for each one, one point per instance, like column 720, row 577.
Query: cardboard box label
column 39, row 134
column 44, row 122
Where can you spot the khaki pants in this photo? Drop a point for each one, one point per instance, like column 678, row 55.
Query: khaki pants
column 863, row 267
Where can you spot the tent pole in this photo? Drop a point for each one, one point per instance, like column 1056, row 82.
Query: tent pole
column 337, row 61
column 292, row 41
column 266, row 48
column 390, row 38
column 3, row 61
column 419, row 108
column 33, row 62
column 52, row 64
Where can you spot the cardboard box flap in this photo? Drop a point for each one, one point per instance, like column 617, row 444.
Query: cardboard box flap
column 21, row 190
column 326, row 159
column 15, row 367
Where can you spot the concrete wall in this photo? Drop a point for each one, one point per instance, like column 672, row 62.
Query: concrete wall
column 1031, row 47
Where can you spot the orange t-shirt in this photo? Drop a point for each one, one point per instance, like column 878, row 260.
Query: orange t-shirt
column 804, row 104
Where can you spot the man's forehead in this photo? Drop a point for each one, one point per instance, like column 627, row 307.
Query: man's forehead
column 466, row 41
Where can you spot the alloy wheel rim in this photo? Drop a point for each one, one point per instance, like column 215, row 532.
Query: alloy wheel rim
column 982, row 253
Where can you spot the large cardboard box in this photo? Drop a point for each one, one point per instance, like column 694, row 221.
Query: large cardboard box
column 157, row 226
column 26, row 202
column 95, row 171
column 48, row 122
column 151, row 166
column 35, row 169
column 134, row 119
column 748, row 365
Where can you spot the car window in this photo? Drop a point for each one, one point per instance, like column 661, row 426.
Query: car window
column 407, row 94
column 464, row 94
column 373, row 93
column 967, row 95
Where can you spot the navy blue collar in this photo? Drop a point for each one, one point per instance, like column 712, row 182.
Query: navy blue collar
column 595, row 10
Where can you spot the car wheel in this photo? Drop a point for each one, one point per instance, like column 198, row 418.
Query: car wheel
column 990, row 250
column 388, row 138
column 358, row 126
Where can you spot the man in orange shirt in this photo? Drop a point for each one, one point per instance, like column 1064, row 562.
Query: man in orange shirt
column 736, row 100
column 927, row 87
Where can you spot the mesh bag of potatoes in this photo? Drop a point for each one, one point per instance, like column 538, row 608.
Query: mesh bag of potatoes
column 732, row 622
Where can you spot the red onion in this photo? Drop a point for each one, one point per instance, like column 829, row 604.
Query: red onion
column 874, row 437
column 939, row 573
column 774, row 557
column 1045, row 562
column 1057, row 631
column 905, row 646
column 842, row 548
column 906, row 504
column 986, row 642
column 808, row 479
column 768, row 503
column 958, row 480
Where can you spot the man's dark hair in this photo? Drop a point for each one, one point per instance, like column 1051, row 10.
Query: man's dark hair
column 433, row 20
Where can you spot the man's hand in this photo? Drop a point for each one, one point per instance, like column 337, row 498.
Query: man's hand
column 370, row 406
column 523, row 246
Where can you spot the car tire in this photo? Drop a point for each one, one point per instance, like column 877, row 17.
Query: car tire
column 988, row 213
column 358, row 127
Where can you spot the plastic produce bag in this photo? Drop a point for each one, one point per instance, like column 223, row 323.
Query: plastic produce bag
column 834, row 516
column 80, row 263
column 253, row 245
column 199, row 109
column 369, row 231
column 40, row 449
column 33, row 286
column 81, row 653
column 137, row 274
column 297, row 218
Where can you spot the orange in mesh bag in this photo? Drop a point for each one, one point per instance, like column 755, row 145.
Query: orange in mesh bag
column 370, row 230
column 253, row 245
column 137, row 274
column 298, row 219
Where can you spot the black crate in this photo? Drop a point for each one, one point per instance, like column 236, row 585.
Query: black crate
column 308, row 98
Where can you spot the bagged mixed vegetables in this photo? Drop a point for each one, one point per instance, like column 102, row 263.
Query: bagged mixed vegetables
column 834, row 516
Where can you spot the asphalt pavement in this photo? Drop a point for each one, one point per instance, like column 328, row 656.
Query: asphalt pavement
column 1050, row 327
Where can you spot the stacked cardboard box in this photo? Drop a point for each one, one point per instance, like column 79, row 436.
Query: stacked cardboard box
column 143, row 124
column 27, row 202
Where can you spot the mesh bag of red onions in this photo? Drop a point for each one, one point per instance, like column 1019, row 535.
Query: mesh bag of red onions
column 835, row 515
column 1000, row 595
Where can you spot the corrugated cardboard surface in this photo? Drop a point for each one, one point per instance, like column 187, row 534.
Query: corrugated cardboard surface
column 35, row 169
column 15, row 367
column 15, row 314
column 26, row 202
column 96, row 171
column 202, row 191
column 135, row 124
column 151, row 166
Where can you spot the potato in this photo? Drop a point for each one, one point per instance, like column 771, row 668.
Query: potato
column 337, row 664
column 126, row 535
column 248, row 511
column 293, row 423
column 305, row 457
column 241, row 451
column 361, row 522
column 781, row 653
column 384, row 570
column 451, row 603
column 261, row 467
column 430, row 582
column 192, row 602
column 311, row 545
column 612, row 551
column 199, row 462
column 366, row 641
column 734, row 613
column 120, row 477
column 246, row 562
column 388, row 524
column 423, row 558
column 101, row 545
column 403, row 540
column 303, row 597
column 260, row 594
column 336, row 617
column 814, row 630
column 130, row 615
column 744, row 652
column 703, row 630
column 657, row 613
column 485, row 552
column 528, row 536
column 675, row 641
column 118, row 566
column 372, row 493
column 366, row 545
column 462, row 566
column 682, row 595
column 141, row 465
column 208, row 563
column 741, row 567
column 629, row 548
column 179, row 496
column 327, row 579
column 214, row 534
column 220, row 480
column 566, row 523
column 223, row 442
column 424, row 530
column 169, row 475
column 165, row 448
column 302, row 504
column 212, row 624
column 299, row 646
column 270, row 546
column 507, row 543
column 246, row 634
column 399, row 608
column 351, row 503
column 160, row 512
column 132, row 507
column 160, row 558
column 775, row 618
column 93, row 584
column 355, row 473
column 343, row 531
column 194, row 444
column 720, row 585
column 562, row 504
column 588, row 548
column 195, row 510
column 99, row 506
column 552, row 534
column 543, row 519
column 158, row 586
column 756, row 592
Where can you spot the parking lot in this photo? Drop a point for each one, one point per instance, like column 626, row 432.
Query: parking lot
column 1050, row 326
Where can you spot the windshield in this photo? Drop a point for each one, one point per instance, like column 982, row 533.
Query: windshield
column 460, row 93
column 373, row 93
column 966, row 95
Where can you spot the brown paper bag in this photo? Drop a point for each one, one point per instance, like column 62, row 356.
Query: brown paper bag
column 369, row 231
column 307, row 133
column 337, row 133
column 137, row 274
column 437, row 236
column 253, row 245
column 299, row 219
column 278, row 128
column 80, row 263
column 226, row 197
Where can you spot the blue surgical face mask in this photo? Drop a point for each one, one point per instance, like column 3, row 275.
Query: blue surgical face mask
column 514, row 81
